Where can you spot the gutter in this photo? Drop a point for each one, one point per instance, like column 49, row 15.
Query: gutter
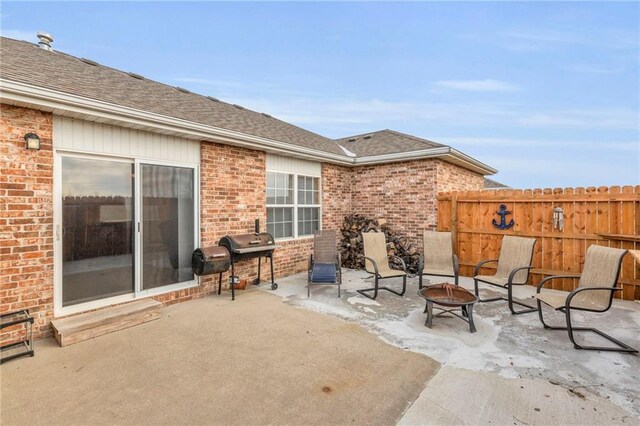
column 445, row 152
column 52, row 100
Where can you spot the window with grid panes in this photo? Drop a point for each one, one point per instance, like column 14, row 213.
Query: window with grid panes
column 293, row 205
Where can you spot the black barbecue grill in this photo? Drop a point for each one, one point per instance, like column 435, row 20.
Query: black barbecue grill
column 249, row 246
column 211, row 260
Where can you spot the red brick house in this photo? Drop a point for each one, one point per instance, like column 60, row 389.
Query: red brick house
column 132, row 175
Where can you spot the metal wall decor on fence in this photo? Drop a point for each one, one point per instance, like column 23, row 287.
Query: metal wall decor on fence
column 503, row 212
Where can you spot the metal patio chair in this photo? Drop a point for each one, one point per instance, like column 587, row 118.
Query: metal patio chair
column 324, row 263
column 377, row 263
column 437, row 259
column 513, row 269
column 594, row 294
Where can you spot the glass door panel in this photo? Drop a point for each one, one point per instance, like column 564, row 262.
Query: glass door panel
column 97, row 223
column 167, row 224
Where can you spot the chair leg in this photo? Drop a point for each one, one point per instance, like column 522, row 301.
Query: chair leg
column 404, row 288
column 509, row 300
column 621, row 347
column 390, row 290
column 512, row 302
column 374, row 289
column 544, row 324
column 477, row 292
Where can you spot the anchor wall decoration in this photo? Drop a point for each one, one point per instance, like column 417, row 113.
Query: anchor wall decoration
column 503, row 212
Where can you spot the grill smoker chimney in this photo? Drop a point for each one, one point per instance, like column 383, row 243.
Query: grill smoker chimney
column 45, row 41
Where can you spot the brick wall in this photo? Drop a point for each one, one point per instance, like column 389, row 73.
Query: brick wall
column 403, row 193
column 26, row 217
column 454, row 178
column 336, row 195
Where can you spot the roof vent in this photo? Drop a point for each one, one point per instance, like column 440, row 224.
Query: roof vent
column 134, row 75
column 367, row 137
column 266, row 115
column 353, row 139
column 45, row 41
column 182, row 89
column 89, row 61
column 211, row 98
column 238, row 106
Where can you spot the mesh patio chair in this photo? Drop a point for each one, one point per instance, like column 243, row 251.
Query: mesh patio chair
column 513, row 268
column 377, row 263
column 438, row 259
column 594, row 294
column 324, row 263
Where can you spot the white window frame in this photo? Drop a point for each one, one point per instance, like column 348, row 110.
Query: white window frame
column 296, row 205
column 138, row 293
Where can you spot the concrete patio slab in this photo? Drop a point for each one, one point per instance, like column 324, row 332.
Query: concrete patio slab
column 510, row 347
column 214, row 361
column 457, row 396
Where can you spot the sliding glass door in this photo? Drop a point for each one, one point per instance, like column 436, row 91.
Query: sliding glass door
column 97, row 229
column 128, row 228
column 167, row 225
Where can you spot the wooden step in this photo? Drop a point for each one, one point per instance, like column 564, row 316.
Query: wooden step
column 79, row 328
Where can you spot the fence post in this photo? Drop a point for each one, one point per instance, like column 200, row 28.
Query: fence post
column 454, row 222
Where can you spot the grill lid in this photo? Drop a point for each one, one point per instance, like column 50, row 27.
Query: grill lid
column 248, row 243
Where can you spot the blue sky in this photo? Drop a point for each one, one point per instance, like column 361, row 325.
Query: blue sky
column 548, row 93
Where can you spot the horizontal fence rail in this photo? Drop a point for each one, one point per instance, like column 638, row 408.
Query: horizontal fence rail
column 607, row 216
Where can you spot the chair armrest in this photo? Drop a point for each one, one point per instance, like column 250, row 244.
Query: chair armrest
column 339, row 258
column 553, row 277
column 420, row 264
column 404, row 265
column 580, row 290
column 310, row 261
column 479, row 265
column 515, row 271
column 373, row 262
column 456, row 265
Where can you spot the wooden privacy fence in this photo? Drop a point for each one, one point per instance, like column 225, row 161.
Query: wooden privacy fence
column 608, row 216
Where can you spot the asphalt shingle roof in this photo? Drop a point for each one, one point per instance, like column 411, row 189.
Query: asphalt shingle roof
column 492, row 184
column 385, row 142
column 66, row 73
column 61, row 72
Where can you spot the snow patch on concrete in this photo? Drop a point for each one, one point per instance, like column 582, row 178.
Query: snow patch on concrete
column 362, row 301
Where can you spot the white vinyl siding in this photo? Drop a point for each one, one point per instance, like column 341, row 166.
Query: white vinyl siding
column 96, row 138
column 279, row 163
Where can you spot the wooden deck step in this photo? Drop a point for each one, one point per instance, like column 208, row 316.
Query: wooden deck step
column 79, row 328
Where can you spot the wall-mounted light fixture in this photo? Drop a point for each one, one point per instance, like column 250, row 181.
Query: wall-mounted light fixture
column 33, row 141
column 558, row 218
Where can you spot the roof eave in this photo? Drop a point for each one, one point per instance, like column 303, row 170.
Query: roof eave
column 52, row 100
column 446, row 153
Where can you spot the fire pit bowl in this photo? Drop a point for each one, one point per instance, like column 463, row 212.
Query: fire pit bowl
column 450, row 296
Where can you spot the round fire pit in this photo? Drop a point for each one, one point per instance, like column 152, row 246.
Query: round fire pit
column 450, row 296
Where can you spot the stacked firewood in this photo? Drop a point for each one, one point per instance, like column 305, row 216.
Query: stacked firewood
column 352, row 247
